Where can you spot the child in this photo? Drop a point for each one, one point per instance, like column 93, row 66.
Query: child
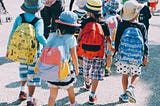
column 94, row 68
column 80, row 11
column 67, row 25
column 51, row 12
column 145, row 14
column 129, row 14
column 31, row 7
column 110, row 12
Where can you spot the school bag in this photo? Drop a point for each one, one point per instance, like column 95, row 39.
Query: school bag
column 112, row 24
column 91, row 41
column 23, row 44
column 53, row 64
column 131, row 47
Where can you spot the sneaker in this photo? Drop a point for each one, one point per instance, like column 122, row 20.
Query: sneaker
column 130, row 93
column 22, row 95
column 92, row 100
column 124, row 98
column 87, row 86
column 108, row 72
column 31, row 103
column 75, row 104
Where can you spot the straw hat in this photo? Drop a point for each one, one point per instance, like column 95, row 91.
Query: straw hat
column 130, row 10
column 94, row 6
column 68, row 18
column 32, row 6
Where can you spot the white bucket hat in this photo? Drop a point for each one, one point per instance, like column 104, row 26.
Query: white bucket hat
column 130, row 9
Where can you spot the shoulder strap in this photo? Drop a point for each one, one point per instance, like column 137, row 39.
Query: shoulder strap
column 23, row 18
column 32, row 22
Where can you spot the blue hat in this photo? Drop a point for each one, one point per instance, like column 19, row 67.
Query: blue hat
column 68, row 18
column 32, row 6
column 112, row 6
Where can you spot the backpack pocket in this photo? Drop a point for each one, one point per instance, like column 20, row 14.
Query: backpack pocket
column 48, row 72
column 93, row 48
column 64, row 70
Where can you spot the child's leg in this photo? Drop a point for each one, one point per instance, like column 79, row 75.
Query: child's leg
column 125, row 81
column 92, row 95
column 136, row 70
column 87, row 79
column 134, row 80
column 31, row 90
column 94, row 85
column 71, row 94
column 109, row 63
column 52, row 96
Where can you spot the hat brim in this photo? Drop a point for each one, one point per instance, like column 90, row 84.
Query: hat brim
column 131, row 16
column 128, row 18
column 31, row 10
column 61, row 22
column 92, row 11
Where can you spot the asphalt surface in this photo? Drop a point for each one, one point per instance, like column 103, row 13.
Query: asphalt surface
column 147, row 89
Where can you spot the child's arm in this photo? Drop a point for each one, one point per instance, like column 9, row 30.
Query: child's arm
column 39, row 32
column 145, row 60
column 75, row 59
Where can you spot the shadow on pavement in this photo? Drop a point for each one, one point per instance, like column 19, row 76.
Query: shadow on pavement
column 5, row 104
column 151, row 75
column 4, row 60
column 13, row 84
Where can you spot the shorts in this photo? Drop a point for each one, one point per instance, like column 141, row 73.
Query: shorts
column 27, row 73
column 71, row 79
column 132, row 70
column 60, row 87
column 94, row 68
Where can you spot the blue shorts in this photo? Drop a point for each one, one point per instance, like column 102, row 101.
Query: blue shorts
column 27, row 73
column 94, row 68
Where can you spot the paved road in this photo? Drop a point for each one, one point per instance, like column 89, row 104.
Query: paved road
column 147, row 90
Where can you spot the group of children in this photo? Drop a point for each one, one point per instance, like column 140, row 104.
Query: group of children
column 93, row 68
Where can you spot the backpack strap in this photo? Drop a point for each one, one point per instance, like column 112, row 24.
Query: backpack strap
column 23, row 18
column 32, row 22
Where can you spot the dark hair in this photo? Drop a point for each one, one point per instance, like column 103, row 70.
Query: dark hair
column 97, row 16
column 65, row 29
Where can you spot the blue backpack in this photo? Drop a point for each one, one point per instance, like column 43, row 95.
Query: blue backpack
column 131, row 47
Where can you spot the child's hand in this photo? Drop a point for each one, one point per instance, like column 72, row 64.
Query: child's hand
column 7, row 54
column 145, row 61
column 77, row 72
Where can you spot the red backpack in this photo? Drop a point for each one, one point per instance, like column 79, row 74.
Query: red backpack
column 91, row 41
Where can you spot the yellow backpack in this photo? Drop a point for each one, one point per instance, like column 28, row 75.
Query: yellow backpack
column 23, row 44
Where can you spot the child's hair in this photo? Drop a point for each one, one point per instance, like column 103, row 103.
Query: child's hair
column 97, row 16
column 65, row 29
